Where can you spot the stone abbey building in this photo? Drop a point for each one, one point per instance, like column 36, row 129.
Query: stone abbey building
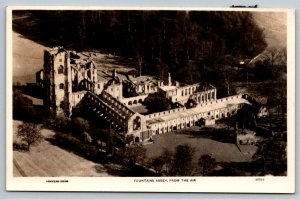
column 69, row 77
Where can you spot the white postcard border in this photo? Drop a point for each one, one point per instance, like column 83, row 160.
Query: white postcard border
column 266, row 184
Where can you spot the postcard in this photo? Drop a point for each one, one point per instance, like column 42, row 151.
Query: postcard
column 128, row 99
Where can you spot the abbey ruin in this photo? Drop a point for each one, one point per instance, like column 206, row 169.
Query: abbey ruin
column 69, row 77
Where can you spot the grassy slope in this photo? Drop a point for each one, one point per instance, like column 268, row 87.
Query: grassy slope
column 49, row 160
column 27, row 58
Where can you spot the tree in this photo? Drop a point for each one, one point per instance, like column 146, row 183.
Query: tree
column 206, row 164
column 80, row 125
column 163, row 163
column 191, row 103
column 275, row 60
column 246, row 116
column 129, row 139
column 227, row 82
column 60, row 122
column 274, row 57
column 30, row 134
column 156, row 102
column 157, row 164
column 135, row 154
column 270, row 158
column 182, row 161
column 22, row 106
column 111, row 140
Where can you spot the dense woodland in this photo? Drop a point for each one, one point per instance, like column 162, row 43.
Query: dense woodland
column 193, row 46
column 180, row 42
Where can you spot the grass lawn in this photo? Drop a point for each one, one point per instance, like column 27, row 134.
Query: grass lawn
column 27, row 58
column 205, row 140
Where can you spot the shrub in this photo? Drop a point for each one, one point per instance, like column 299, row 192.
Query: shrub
column 73, row 144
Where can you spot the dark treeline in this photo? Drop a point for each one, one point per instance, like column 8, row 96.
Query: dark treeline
column 159, row 41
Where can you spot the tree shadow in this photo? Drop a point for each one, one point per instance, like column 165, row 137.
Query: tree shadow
column 20, row 147
column 126, row 171
column 251, row 168
column 75, row 146
column 116, row 170
column 234, row 169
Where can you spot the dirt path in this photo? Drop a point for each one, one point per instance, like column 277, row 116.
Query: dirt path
column 17, row 170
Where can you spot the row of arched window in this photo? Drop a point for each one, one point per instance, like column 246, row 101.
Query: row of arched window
column 188, row 91
column 135, row 102
column 207, row 96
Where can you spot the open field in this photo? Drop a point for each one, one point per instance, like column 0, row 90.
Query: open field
column 49, row 160
column 205, row 141
column 28, row 58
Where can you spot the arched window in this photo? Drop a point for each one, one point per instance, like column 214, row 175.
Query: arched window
column 60, row 69
column 62, row 104
column 137, row 123
column 89, row 74
column 61, row 86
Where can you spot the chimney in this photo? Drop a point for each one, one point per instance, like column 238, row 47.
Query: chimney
column 169, row 80
column 140, row 68
column 114, row 73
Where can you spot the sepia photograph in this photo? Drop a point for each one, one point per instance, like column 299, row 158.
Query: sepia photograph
column 148, row 98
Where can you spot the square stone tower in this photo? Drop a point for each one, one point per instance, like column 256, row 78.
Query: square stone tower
column 58, row 83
